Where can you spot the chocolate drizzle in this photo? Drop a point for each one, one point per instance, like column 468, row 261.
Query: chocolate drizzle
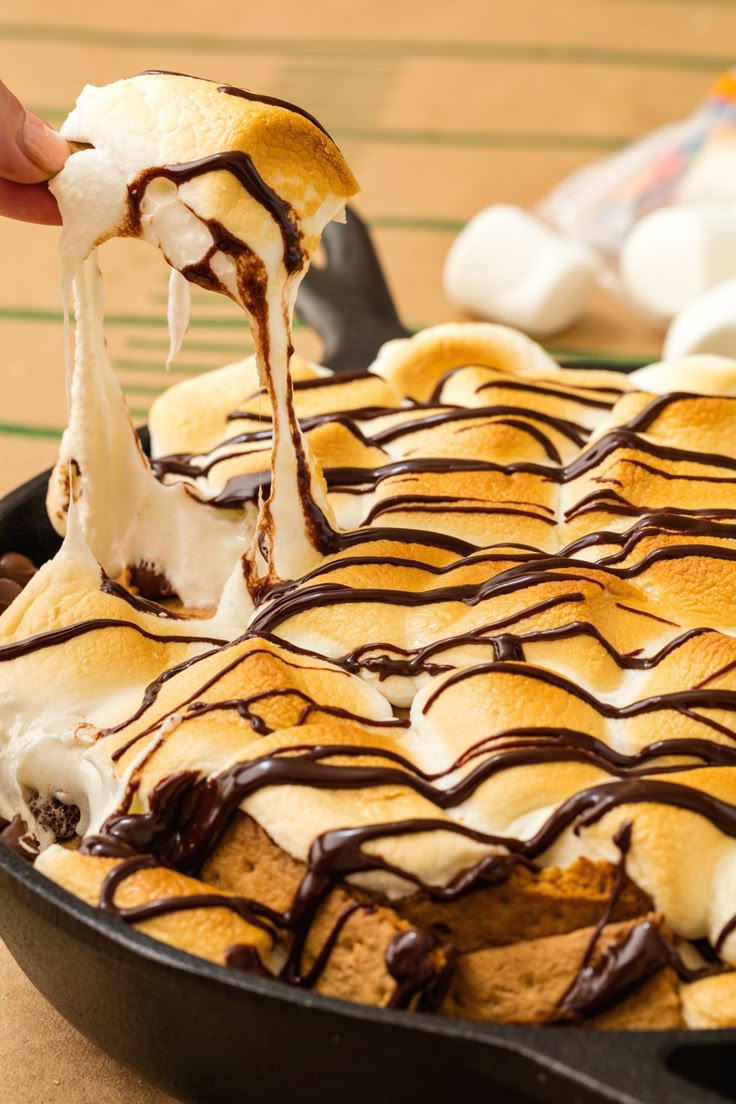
column 242, row 956
column 535, row 571
column 54, row 637
column 246, row 708
column 629, row 962
column 14, row 835
column 624, row 967
column 187, row 844
column 292, row 971
column 702, row 523
column 574, row 432
column 143, row 605
column 726, row 930
column 683, row 701
column 409, row 961
column 246, row 909
column 588, row 981
column 240, row 165
column 272, row 101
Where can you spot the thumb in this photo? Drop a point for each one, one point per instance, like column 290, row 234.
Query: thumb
column 30, row 150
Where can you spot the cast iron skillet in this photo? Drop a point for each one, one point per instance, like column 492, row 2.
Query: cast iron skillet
column 216, row 1036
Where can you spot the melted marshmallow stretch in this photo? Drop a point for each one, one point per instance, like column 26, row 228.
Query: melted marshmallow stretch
column 235, row 194
column 52, row 708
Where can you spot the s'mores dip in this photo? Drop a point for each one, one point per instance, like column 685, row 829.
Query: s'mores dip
column 414, row 686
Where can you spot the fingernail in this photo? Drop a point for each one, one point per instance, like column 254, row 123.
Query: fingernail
column 42, row 145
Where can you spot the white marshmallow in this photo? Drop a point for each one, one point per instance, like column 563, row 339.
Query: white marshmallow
column 676, row 253
column 509, row 266
column 705, row 325
column 711, row 177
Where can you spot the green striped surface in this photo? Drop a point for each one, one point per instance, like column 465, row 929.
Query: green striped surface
column 123, row 38
column 427, row 164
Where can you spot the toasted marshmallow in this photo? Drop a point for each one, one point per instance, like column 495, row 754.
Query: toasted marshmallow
column 160, row 119
column 700, row 372
column 705, row 326
column 415, row 365
column 75, row 657
column 129, row 519
column 208, row 932
column 208, row 189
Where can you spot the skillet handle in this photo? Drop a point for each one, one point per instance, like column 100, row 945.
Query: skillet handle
column 348, row 301
column 580, row 1066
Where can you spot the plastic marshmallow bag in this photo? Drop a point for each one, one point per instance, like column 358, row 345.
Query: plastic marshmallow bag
column 693, row 160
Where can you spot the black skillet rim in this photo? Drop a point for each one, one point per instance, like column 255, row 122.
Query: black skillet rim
column 582, row 1057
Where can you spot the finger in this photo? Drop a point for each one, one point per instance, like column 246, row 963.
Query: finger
column 30, row 151
column 28, row 202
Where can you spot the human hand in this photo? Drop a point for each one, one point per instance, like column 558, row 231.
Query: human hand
column 30, row 152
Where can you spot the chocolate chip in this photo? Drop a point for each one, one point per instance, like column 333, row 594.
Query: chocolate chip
column 54, row 816
column 16, row 571
column 15, row 836
column 150, row 583
column 15, row 566
column 241, row 956
column 9, row 590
